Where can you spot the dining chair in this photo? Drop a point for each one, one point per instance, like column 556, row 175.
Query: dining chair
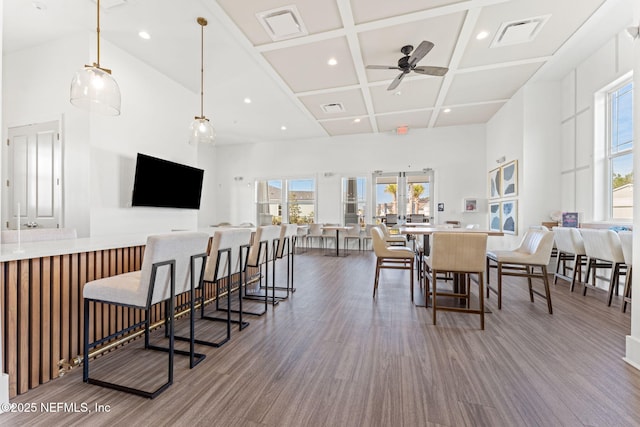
column 366, row 236
column 626, row 240
column 534, row 251
column 571, row 255
column 604, row 250
column 173, row 264
column 459, row 254
column 315, row 232
column 392, row 239
column 352, row 234
column 390, row 257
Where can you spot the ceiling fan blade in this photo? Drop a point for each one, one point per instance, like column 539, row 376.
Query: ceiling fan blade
column 382, row 67
column 431, row 71
column 394, row 84
column 419, row 52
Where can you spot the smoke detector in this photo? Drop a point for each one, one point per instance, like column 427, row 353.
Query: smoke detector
column 282, row 23
column 520, row 31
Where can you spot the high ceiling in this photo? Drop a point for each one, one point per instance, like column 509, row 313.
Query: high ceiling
column 289, row 80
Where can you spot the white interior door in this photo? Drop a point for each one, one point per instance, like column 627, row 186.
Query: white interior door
column 34, row 187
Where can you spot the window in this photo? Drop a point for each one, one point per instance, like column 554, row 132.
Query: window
column 620, row 151
column 297, row 195
column 301, row 201
column 354, row 200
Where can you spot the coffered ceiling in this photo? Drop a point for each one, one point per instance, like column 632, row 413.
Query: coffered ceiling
column 289, row 80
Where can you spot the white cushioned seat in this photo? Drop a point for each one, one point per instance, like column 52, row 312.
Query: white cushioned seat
column 534, row 251
column 570, row 248
column 391, row 257
column 604, row 250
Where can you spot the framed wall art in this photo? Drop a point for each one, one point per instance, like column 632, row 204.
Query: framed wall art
column 509, row 173
column 495, row 223
column 509, row 217
column 495, row 183
column 470, row 205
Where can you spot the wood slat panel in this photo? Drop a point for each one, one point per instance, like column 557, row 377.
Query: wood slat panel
column 65, row 307
column 23, row 327
column 35, row 332
column 11, row 329
column 56, row 274
column 45, row 361
column 74, row 319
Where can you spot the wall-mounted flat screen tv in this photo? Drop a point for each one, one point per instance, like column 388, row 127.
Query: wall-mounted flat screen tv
column 161, row 183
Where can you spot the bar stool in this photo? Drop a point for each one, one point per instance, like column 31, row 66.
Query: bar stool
column 604, row 250
column 626, row 240
column 262, row 253
column 226, row 262
column 173, row 264
column 570, row 249
column 462, row 254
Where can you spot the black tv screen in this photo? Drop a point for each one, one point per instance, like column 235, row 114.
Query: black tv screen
column 161, row 183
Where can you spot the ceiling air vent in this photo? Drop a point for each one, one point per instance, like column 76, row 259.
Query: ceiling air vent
column 521, row 31
column 333, row 108
column 282, row 23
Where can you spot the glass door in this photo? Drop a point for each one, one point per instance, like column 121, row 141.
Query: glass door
column 403, row 197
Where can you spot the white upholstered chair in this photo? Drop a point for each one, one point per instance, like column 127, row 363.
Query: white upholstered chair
column 262, row 254
column 390, row 257
column 462, row 254
column 604, row 250
column 172, row 264
column 352, row 234
column 534, row 251
column 626, row 240
column 225, row 270
column 315, row 232
column 392, row 239
column 570, row 250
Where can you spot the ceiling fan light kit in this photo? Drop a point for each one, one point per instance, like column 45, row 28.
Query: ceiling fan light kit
column 408, row 63
column 93, row 88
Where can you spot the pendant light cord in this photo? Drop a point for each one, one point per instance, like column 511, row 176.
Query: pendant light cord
column 98, row 32
column 202, row 23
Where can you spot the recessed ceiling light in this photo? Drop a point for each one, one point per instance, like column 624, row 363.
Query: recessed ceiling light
column 283, row 127
column 332, row 61
column 447, row 110
column 482, row 35
column 356, row 120
column 144, row 35
column 247, row 100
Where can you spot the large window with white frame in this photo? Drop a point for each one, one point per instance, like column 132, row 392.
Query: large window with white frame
column 620, row 151
column 286, row 201
column 354, row 200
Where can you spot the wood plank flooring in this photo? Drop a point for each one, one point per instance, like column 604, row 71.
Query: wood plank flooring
column 333, row 356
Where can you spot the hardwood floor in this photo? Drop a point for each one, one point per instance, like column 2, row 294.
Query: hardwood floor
column 333, row 356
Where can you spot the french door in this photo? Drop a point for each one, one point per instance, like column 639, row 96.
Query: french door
column 403, row 197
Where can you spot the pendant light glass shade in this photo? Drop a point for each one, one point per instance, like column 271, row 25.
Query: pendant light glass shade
column 93, row 89
column 201, row 131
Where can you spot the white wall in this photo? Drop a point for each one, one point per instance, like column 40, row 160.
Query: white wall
column 581, row 133
column 457, row 176
column 100, row 151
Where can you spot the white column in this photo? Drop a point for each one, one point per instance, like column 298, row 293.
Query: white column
column 633, row 340
column 4, row 378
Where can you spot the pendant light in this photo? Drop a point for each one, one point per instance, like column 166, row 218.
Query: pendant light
column 93, row 89
column 201, row 130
